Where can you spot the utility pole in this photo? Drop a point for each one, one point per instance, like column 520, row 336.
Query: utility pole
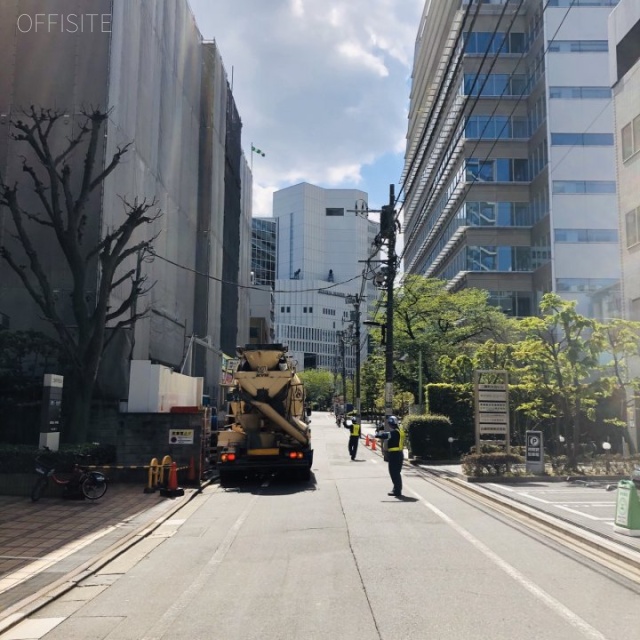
column 355, row 301
column 343, row 356
column 388, row 231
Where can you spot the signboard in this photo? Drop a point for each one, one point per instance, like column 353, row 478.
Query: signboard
column 181, row 436
column 491, row 403
column 51, row 411
column 534, row 452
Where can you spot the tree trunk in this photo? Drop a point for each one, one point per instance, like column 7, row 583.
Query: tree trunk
column 76, row 427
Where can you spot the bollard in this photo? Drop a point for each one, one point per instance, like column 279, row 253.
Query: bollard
column 166, row 464
column 152, row 476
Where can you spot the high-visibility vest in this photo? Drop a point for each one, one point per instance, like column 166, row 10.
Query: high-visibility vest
column 355, row 431
column 400, row 446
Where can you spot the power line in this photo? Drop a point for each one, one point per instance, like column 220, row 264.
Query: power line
column 254, row 287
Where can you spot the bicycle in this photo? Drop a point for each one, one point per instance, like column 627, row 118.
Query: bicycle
column 80, row 481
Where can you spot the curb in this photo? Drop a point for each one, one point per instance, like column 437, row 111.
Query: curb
column 32, row 603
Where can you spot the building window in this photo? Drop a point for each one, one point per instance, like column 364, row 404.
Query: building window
column 582, row 139
column 281, row 309
column 583, row 285
column 583, row 186
column 580, row 93
column 632, row 224
column 310, row 309
column 334, row 211
column 288, row 309
column 586, row 235
column 578, row 46
column 497, row 170
column 304, row 309
column 631, row 138
column 583, row 3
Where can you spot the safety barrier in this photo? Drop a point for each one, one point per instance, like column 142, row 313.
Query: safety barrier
column 155, row 477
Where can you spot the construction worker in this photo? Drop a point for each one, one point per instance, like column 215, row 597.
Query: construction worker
column 395, row 453
column 354, row 428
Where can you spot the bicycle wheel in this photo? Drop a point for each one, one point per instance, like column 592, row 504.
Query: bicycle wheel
column 93, row 489
column 38, row 488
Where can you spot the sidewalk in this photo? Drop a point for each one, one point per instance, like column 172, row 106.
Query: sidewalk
column 50, row 543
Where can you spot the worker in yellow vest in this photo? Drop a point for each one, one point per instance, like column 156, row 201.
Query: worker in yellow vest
column 354, row 429
column 395, row 453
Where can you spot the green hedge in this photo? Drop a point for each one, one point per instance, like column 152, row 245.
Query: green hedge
column 456, row 402
column 429, row 436
column 21, row 458
column 489, row 464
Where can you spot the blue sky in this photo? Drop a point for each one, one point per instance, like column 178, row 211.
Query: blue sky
column 322, row 87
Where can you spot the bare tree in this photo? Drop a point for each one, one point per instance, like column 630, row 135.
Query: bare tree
column 63, row 208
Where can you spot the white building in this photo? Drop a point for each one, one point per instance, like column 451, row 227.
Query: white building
column 322, row 246
column 510, row 168
column 624, row 47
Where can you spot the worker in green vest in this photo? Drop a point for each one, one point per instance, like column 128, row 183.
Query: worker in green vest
column 354, row 429
column 395, row 453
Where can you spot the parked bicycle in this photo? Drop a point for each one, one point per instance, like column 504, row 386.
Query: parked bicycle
column 79, row 481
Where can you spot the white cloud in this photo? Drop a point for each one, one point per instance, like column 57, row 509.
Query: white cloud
column 321, row 85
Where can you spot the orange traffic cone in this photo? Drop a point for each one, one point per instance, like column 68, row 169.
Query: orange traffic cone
column 373, row 444
column 366, row 441
column 172, row 490
column 192, row 470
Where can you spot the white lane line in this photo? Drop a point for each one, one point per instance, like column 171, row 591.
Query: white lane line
column 572, row 618
column 579, row 513
column 192, row 592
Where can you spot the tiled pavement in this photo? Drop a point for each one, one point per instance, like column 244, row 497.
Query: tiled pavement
column 42, row 542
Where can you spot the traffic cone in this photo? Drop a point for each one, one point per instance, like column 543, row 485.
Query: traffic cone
column 373, row 444
column 192, row 471
column 366, row 441
column 172, row 490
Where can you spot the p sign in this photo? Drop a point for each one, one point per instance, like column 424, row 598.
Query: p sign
column 534, row 453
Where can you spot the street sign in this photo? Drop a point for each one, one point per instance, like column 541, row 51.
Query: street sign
column 494, row 418
column 495, row 429
column 534, row 452
column 181, row 436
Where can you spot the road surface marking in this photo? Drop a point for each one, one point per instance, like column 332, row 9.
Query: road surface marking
column 572, row 618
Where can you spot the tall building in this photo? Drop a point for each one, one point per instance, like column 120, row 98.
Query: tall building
column 624, row 46
column 323, row 240
column 509, row 168
column 168, row 94
column 263, row 278
column 264, row 233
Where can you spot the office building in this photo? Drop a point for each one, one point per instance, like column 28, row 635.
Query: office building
column 509, row 169
column 324, row 238
column 624, row 49
column 168, row 94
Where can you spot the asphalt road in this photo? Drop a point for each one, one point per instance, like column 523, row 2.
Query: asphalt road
column 340, row 559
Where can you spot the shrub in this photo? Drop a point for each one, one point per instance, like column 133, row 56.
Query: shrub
column 428, row 436
column 489, row 464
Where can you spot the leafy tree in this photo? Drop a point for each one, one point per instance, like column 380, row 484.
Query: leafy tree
column 431, row 323
column 318, row 384
column 621, row 342
column 558, row 357
column 64, row 211
column 372, row 382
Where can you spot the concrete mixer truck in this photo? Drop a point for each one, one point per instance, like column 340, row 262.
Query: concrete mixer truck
column 266, row 429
